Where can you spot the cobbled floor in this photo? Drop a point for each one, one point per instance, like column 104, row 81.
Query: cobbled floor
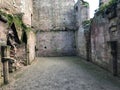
column 63, row 73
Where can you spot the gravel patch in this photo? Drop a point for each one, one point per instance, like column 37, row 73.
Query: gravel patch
column 64, row 73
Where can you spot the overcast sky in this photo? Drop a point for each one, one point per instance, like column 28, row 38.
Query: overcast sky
column 93, row 6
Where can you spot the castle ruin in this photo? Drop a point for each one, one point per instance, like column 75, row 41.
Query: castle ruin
column 61, row 28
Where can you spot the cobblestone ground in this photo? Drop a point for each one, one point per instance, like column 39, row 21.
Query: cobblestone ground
column 64, row 73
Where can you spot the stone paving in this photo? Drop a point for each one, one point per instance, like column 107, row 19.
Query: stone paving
column 63, row 73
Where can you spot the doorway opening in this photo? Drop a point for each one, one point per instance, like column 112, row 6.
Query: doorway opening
column 114, row 57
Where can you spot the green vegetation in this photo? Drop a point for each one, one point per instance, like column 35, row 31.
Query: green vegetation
column 16, row 19
column 9, row 19
column 86, row 4
column 105, row 6
column 86, row 22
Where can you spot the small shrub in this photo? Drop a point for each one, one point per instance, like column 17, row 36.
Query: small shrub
column 86, row 4
column 86, row 22
column 103, row 7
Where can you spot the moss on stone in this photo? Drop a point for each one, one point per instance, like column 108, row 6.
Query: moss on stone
column 86, row 4
column 17, row 20
column 9, row 19
column 103, row 7
column 86, row 22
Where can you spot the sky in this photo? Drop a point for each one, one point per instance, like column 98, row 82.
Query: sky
column 93, row 6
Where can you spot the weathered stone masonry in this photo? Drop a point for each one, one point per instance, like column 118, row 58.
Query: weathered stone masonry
column 105, row 38
column 54, row 22
column 20, row 8
column 15, row 23
column 62, row 28
column 56, row 43
column 98, row 39
column 82, row 14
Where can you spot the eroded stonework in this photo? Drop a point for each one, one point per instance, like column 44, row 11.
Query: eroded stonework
column 56, row 43
column 53, row 15
column 82, row 14
column 54, row 23
column 18, row 6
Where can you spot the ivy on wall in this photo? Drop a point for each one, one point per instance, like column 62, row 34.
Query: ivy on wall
column 103, row 7
column 16, row 19
column 84, row 3
column 87, row 22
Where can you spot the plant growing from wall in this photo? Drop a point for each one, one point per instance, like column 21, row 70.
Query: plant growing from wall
column 16, row 18
column 103, row 7
column 84, row 3
column 86, row 22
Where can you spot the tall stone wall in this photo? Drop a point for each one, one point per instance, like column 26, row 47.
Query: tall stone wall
column 56, row 43
column 31, row 43
column 105, row 39
column 80, row 42
column 14, row 35
column 53, row 15
column 118, row 35
column 11, row 6
column 3, row 31
column 100, row 51
column 27, row 10
column 82, row 14
column 54, row 22
column 3, row 41
column 18, row 6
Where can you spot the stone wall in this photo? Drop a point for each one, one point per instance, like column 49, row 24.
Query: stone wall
column 99, row 43
column 82, row 14
column 31, row 43
column 18, row 6
column 54, row 22
column 3, row 40
column 21, row 57
column 56, row 43
column 100, row 50
column 80, row 42
column 27, row 9
column 12, row 33
column 3, row 31
column 118, row 35
column 53, row 15
column 105, row 39
column 11, row 6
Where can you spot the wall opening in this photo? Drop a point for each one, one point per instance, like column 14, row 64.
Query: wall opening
column 113, row 45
